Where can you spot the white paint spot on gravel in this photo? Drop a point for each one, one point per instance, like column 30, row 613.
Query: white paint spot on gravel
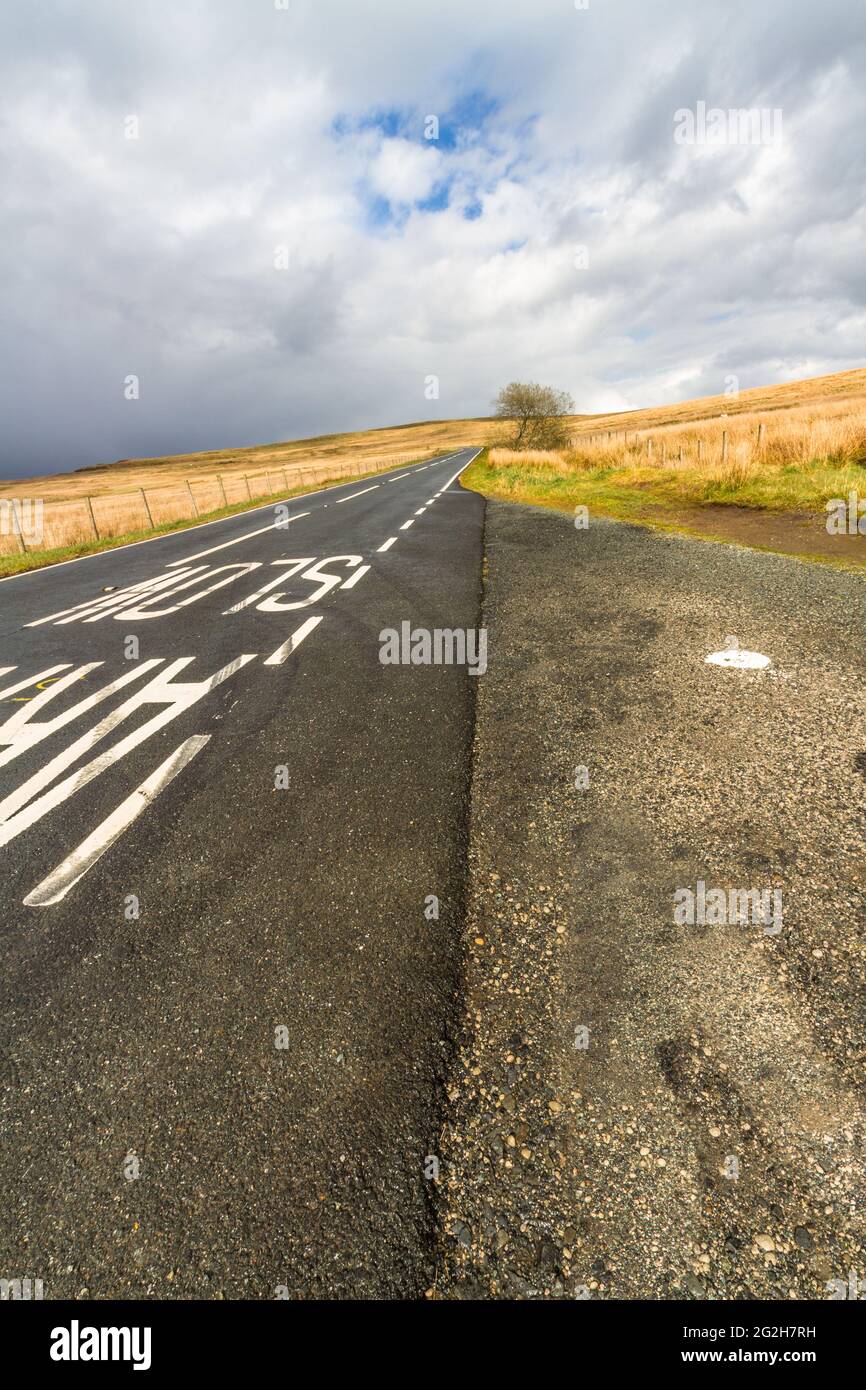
column 737, row 660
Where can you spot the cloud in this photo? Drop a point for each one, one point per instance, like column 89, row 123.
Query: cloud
column 283, row 251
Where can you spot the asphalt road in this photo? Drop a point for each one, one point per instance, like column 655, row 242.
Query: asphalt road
column 225, row 1014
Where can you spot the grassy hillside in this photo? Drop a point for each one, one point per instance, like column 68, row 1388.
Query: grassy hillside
column 758, row 469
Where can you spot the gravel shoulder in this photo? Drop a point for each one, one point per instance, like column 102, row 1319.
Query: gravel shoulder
column 704, row 1137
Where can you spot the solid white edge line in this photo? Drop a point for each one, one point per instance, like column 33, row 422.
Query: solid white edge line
column 58, row 883
column 353, row 495
column 247, row 536
column 293, row 643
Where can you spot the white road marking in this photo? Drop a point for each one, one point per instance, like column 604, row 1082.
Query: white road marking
column 176, row 697
column 75, row 866
column 247, row 536
column 293, row 643
column 460, row 470
column 398, row 477
column 353, row 579
column 239, row 570
column 353, row 495
column 280, row 579
column 5, row 670
column 30, row 680
column 407, row 524
column 118, row 598
column 386, row 546
column 421, row 510
column 327, row 582
column 23, row 731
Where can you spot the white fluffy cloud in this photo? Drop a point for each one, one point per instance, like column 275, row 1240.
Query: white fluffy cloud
column 282, row 252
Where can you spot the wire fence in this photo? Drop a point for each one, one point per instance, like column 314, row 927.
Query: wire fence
column 29, row 524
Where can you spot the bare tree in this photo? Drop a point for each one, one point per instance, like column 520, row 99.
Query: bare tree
column 538, row 415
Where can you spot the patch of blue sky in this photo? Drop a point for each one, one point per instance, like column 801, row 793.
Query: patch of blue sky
column 438, row 199
column 464, row 119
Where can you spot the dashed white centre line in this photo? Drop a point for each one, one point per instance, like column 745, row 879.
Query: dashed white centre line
column 407, row 524
column 386, row 546
column 285, row 651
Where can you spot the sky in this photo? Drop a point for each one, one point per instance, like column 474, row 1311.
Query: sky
column 226, row 222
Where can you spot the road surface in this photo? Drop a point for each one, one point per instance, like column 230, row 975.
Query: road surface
column 226, row 995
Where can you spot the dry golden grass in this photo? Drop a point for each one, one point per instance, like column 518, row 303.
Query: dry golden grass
column 785, row 457
column 820, row 392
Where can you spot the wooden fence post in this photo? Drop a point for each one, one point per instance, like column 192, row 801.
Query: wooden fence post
column 146, row 508
column 89, row 501
column 222, row 489
column 191, row 498
column 724, row 446
column 17, row 520
column 761, row 435
column 249, row 493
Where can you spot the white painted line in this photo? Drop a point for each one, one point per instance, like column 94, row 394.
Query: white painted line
column 58, row 883
column 293, row 643
column 386, row 546
column 407, row 524
column 460, row 470
column 398, row 477
column 352, row 495
column 29, row 680
column 25, row 806
column 353, row 578
column 23, row 731
column 421, row 510
column 247, row 536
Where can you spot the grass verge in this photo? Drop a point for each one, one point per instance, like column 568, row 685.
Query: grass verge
column 782, row 510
